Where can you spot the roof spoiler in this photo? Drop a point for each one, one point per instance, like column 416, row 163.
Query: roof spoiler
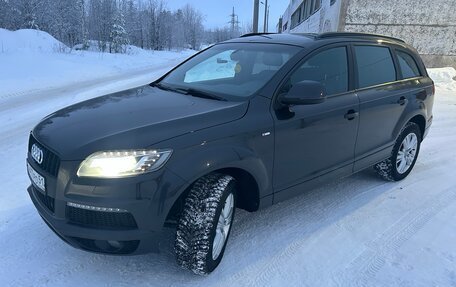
column 255, row 34
column 353, row 34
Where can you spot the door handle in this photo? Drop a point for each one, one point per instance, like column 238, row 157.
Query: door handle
column 402, row 101
column 351, row 114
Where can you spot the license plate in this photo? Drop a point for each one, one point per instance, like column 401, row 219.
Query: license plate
column 36, row 178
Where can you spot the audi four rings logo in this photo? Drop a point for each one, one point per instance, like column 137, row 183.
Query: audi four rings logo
column 37, row 153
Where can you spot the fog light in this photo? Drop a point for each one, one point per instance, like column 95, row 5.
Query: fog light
column 95, row 208
column 115, row 244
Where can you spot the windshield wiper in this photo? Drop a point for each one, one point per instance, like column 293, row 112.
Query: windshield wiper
column 167, row 88
column 200, row 94
column 188, row 91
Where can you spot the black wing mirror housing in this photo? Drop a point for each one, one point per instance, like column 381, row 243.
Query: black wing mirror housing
column 305, row 93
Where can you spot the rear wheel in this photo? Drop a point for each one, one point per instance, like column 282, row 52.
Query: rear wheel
column 205, row 223
column 404, row 154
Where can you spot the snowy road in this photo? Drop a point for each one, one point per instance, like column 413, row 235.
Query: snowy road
column 358, row 231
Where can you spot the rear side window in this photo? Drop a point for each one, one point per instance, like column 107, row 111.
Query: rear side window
column 328, row 67
column 375, row 66
column 408, row 65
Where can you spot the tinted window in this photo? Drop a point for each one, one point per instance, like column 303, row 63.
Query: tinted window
column 328, row 67
column 408, row 65
column 375, row 66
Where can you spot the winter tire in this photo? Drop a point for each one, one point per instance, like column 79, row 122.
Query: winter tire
column 404, row 154
column 205, row 223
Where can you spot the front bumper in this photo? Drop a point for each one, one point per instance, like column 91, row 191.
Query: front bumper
column 144, row 201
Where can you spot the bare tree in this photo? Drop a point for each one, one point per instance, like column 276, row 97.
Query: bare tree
column 111, row 24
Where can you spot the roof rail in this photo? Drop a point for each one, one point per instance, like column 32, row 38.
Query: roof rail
column 309, row 35
column 354, row 34
column 255, row 34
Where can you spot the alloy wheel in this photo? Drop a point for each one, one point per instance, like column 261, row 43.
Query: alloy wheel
column 223, row 226
column 406, row 154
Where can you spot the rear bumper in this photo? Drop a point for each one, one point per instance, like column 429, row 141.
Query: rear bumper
column 428, row 126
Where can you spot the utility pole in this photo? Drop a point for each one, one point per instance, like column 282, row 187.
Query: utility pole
column 256, row 8
column 234, row 24
column 266, row 12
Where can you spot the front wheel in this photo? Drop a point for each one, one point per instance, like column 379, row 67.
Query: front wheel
column 205, row 223
column 404, row 154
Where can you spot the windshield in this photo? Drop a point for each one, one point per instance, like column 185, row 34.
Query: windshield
column 230, row 71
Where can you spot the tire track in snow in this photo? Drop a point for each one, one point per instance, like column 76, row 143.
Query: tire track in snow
column 334, row 199
column 420, row 175
column 370, row 262
column 20, row 98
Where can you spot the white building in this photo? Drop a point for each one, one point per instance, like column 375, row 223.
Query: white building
column 428, row 25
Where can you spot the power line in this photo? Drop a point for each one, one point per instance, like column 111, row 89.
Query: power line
column 234, row 23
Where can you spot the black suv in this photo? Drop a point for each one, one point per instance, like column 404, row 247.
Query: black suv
column 245, row 123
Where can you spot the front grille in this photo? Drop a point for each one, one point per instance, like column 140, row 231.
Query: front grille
column 51, row 161
column 45, row 200
column 100, row 219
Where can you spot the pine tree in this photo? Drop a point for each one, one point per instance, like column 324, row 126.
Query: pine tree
column 119, row 36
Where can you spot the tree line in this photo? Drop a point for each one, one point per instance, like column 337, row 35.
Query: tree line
column 113, row 24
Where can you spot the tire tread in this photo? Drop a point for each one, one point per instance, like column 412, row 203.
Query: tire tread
column 192, row 245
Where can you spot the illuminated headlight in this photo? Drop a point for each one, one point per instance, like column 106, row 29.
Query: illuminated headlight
column 123, row 163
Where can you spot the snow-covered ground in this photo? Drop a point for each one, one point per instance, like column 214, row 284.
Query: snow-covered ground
column 32, row 61
column 358, row 231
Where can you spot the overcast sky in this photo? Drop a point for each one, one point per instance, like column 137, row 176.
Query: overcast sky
column 217, row 12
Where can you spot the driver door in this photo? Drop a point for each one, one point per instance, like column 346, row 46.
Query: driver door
column 316, row 140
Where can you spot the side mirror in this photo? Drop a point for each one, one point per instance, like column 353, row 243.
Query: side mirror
column 305, row 93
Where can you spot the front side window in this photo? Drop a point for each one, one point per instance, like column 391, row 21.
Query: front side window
column 231, row 71
column 329, row 67
column 408, row 65
column 375, row 66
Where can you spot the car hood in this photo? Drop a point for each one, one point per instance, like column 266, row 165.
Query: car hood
column 132, row 119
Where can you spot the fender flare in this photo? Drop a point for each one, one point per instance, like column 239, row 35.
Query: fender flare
column 205, row 159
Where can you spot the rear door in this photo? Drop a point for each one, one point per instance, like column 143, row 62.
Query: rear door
column 383, row 101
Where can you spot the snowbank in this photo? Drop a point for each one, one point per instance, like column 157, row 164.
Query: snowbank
column 32, row 61
column 444, row 78
column 92, row 46
column 29, row 40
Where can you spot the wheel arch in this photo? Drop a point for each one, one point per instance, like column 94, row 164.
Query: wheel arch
column 247, row 192
column 421, row 122
column 417, row 117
